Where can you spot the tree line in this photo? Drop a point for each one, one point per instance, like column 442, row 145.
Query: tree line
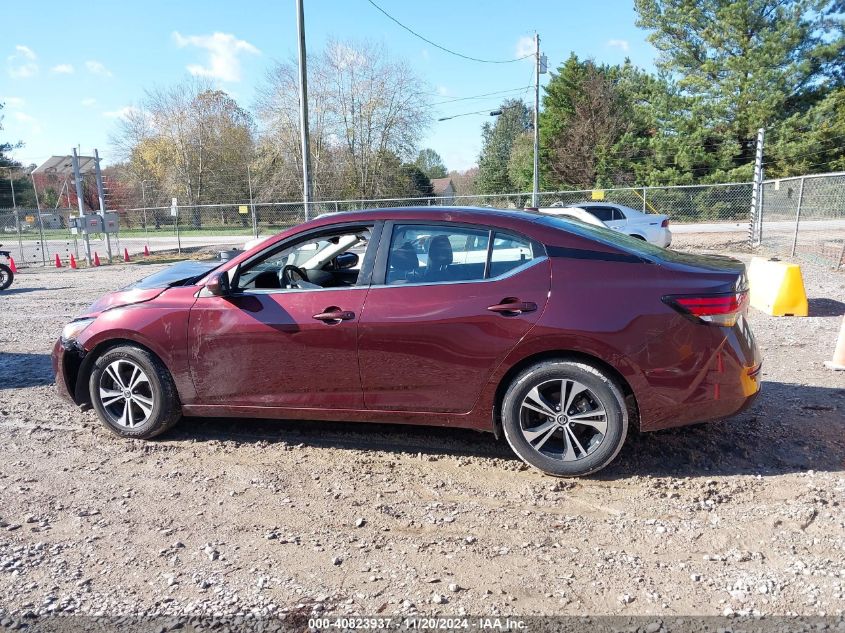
column 724, row 69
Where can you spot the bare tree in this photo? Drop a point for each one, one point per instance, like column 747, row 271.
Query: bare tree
column 366, row 112
column 191, row 140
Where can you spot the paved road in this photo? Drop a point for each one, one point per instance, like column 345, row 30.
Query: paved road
column 32, row 252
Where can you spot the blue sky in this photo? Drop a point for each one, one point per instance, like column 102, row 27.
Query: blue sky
column 68, row 73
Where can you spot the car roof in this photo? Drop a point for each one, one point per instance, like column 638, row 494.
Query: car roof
column 484, row 215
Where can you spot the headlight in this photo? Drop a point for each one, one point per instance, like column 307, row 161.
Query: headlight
column 75, row 328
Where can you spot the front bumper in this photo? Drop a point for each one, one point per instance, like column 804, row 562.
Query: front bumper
column 66, row 359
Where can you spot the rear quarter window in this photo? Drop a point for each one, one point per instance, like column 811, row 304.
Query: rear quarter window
column 606, row 236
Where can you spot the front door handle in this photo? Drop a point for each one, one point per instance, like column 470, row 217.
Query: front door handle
column 513, row 307
column 335, row 315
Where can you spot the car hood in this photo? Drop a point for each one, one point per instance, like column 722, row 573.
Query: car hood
column 152, row 286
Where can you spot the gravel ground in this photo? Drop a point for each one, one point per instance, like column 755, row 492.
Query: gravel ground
column 234, row 517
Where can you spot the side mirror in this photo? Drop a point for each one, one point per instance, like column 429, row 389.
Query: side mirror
column 346, row 260
column 218, row 285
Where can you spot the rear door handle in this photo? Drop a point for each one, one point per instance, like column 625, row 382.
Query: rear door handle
column 512, row 308
column 331, row 315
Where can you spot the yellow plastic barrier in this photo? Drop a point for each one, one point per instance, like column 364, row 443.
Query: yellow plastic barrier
column 777, row 288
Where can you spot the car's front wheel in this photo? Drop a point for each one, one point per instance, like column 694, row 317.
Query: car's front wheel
column 133, row 393
column 565, row 418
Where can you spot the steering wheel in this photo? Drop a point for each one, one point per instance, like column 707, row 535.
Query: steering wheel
column 290, row 276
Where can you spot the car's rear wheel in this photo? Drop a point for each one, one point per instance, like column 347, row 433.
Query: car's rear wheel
column 565, row 418
column 133, row 393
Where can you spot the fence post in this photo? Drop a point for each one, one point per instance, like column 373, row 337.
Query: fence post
column 174, row 211
column 40, row 222
column 797, row 216
column 252, row 203
column 144, row 202
column 15, row 211
column 645, row 210
column 336, row 209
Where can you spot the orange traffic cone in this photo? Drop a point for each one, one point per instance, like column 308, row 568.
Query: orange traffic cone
column 96, row 259
column 146, row 251
column 838, row 361
column 58, row 261
column 12, row 266
column 72, row 261
column 126, row 255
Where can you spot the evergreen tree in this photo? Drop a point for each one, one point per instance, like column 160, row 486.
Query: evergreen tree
column 741, row 66
column 497, row 144
column 429, row 162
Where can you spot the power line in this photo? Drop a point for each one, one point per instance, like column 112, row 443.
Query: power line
column 443, row 48
column 486, row 94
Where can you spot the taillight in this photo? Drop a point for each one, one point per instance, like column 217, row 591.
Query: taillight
column 715, row 309
column 665, row 223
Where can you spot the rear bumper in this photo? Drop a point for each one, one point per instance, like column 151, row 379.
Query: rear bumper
column 711, row 409
column 663, row 238
column 707, row 386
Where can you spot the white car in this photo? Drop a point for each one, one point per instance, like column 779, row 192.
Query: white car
column 572, row 212
column 650, row 227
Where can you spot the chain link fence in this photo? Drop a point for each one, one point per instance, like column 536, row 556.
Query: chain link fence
column 802, row 217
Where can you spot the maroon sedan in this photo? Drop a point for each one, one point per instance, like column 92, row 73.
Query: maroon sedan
column 556, row 334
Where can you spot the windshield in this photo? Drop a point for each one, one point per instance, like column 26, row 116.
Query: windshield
column 182, row 273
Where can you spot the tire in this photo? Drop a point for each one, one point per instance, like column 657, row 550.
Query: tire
column 532, row 415
column 154, row 403
column 6, row 276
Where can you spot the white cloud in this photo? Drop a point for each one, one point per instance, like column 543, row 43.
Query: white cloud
column 13, row 103
column 443, row 91
column 525, row 46
column 620, row 44
column 88, row 102
column 64, row 69
column 23, row 117
column 224, row 50
column 121, row 113
column 97, row 68
column 21, row 64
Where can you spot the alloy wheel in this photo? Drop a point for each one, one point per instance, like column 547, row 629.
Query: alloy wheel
column 126, row 394
column 563, row 419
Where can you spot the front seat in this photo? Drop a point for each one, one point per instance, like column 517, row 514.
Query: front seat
column 403, row 264
column 439, row 259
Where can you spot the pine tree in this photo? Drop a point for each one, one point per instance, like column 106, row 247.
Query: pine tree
column 497, row 145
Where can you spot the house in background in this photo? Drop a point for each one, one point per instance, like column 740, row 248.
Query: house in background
column 443, row 190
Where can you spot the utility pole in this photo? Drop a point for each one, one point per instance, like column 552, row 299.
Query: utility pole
column 535, row 193
column 101, row 195
column 303, row 109
column 755, row 230
column 77, row 178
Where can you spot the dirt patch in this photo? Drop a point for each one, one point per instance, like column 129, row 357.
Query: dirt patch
column 235, row 516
